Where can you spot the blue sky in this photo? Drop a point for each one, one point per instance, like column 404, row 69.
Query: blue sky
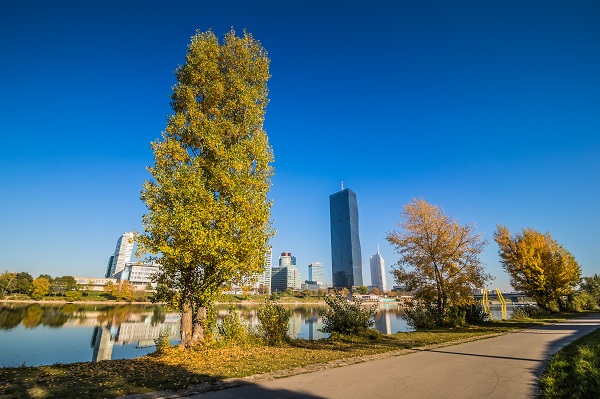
column 490, row 110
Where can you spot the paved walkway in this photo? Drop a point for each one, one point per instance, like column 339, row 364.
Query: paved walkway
column 507, row 366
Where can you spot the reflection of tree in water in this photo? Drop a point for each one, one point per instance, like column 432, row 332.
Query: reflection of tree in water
column 11, row 316
column 33, row 316
column 158, row 315
column 54, row 317
column 116, row 315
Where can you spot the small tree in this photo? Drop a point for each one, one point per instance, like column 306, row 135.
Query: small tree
column 439, row 258
column 346, row 317
column 591, row 285
column 110, row 288
column 375, row 291
column 232, row 329
column 274, row 321
column 538, row 266
column 363, row 290
column 72, row 296
column 41, row 288
column 23, row 283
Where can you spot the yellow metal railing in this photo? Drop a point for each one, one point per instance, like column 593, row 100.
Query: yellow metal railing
column 502, row 303
column 485, row 302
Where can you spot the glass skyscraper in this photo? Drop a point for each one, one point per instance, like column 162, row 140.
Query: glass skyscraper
column 346, row 259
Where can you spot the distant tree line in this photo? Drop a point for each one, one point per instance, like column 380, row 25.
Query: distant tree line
column 15, row 284
column 23, row 283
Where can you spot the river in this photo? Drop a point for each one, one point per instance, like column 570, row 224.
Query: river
column 40, row 334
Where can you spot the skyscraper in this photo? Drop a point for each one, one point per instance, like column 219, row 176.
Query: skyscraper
column 378, row 271
column 264, row 279
column 315, row 272
column 346, row 259
column 122, row 254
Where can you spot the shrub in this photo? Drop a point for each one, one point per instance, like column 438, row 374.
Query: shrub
column 273, row 323
column 232, row 329
column 579, row 301
column 525, row 312
column 72, row 296
column 346, row 317
column 422, row 315
column 163, row 342
column 476, row 314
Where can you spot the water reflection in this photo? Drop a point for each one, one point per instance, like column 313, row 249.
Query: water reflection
column 141, row 334
column 35, row 334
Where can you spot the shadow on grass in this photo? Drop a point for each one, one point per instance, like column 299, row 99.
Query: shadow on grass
column 105, row 379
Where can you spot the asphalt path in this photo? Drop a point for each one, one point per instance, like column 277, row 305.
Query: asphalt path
column 507, row 366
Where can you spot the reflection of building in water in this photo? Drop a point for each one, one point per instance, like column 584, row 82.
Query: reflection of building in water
column 295, row 324
column 142, row 333
column 102, row 342
column 313, row 328
column 382, row 321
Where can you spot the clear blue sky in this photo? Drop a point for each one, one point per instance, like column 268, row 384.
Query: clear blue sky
column 489, row 109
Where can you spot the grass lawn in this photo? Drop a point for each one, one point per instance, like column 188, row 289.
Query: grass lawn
column 179, row 369
column 574, row 371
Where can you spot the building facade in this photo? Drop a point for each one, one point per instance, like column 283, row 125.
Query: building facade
column 286, row 275
column 264, row 279
column 346, row 259
column 121, row 256
column 315, row 272
column 378, row 278
column 138, row 274
column 279, row 279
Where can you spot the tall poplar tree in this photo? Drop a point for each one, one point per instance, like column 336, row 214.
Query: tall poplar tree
column 208, row 219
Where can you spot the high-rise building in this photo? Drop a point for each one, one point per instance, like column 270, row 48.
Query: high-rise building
column 264, row 279
column 378, row 271
column 122, row 254
column 346, row 259
column 279, row 279
column 287, row 259
column 315, row 272
column 286, row 275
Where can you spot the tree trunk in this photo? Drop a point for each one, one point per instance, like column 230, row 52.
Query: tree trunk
column 186, row 324
column 199, row 323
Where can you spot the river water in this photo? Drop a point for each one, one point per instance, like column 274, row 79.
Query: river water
column 35, row 334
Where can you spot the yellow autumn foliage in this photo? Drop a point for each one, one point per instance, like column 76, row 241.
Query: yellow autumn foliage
column 208, row 213
column 538, row 265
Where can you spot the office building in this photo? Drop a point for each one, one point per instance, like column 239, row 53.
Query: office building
column 315, row 272
column 122, row 254
column 287, row 259
column 279, row 279
column 264, row 278
column 346, row 259
column 378, row 271
column 138, row 274
column 286, row 275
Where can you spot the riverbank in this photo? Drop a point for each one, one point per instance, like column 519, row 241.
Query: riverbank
column 281, row 301
column 180, row 369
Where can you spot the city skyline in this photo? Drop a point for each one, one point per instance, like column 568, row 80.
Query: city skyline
column 487, row 110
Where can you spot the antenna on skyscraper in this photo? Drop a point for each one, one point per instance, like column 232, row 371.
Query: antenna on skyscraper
column 342, row 185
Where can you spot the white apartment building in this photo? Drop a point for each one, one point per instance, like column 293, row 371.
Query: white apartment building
column 122, row 254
